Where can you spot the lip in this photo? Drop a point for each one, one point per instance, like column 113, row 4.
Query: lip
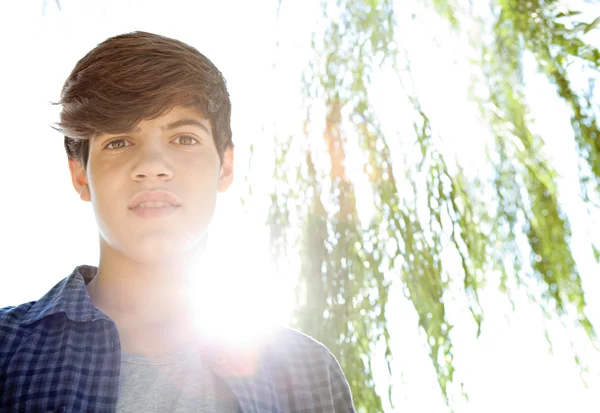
column 156, row 195
column 155, row 212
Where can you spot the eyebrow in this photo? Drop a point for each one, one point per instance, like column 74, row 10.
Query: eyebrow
column 178, row 123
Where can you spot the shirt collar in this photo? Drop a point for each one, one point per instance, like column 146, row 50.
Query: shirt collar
column 70, row 297
column 244, row 371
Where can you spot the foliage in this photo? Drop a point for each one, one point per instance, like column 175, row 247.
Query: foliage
column 347, row 265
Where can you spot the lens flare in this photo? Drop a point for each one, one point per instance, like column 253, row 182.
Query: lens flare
column 238, row 299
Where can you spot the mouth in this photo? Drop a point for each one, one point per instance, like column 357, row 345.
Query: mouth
column 154, row 199
column 154, row 209
column 153, row 204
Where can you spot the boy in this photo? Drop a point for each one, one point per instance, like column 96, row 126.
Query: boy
column 147, row 132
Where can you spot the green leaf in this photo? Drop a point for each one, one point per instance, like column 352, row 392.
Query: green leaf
column 568, row 14
column 592, row 25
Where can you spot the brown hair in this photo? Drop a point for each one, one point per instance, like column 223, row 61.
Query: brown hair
column 137, row 76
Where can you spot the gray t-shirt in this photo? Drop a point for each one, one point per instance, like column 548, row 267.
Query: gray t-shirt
column 174, row 383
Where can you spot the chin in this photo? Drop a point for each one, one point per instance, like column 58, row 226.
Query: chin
column 160, row 252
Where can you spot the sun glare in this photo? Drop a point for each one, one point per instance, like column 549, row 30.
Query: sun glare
column 238, row 298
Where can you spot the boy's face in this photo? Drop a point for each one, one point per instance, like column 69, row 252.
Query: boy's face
column 161, row 154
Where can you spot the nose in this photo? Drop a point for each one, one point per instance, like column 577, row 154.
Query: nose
column 151, row 164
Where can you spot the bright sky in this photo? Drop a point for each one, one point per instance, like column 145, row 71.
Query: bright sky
column 47, row 231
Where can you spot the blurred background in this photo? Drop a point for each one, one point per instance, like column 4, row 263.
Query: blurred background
column 416, row 183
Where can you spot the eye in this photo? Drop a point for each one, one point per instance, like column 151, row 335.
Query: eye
column 187, row 138
column 116, row 141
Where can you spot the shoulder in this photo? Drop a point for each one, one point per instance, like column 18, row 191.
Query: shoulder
column 12, row 316
column 12, row 334
column 289, row 342
column 305, row 362
column 296, row 349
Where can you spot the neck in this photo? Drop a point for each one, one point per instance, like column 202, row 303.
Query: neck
column 147, row 301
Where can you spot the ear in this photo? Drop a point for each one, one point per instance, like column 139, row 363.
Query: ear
column 226, row 175
column 79, row 179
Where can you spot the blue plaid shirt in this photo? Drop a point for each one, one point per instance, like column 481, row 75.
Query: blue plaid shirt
column 61, row 354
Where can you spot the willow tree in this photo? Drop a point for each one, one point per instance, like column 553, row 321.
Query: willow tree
column 347, row 265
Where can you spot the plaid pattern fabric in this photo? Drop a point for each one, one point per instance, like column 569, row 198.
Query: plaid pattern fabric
column 61, row 354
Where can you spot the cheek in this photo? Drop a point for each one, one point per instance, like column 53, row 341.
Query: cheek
column 205, row 168
column 103, row 181
column 201, row 186
column 107, row 196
